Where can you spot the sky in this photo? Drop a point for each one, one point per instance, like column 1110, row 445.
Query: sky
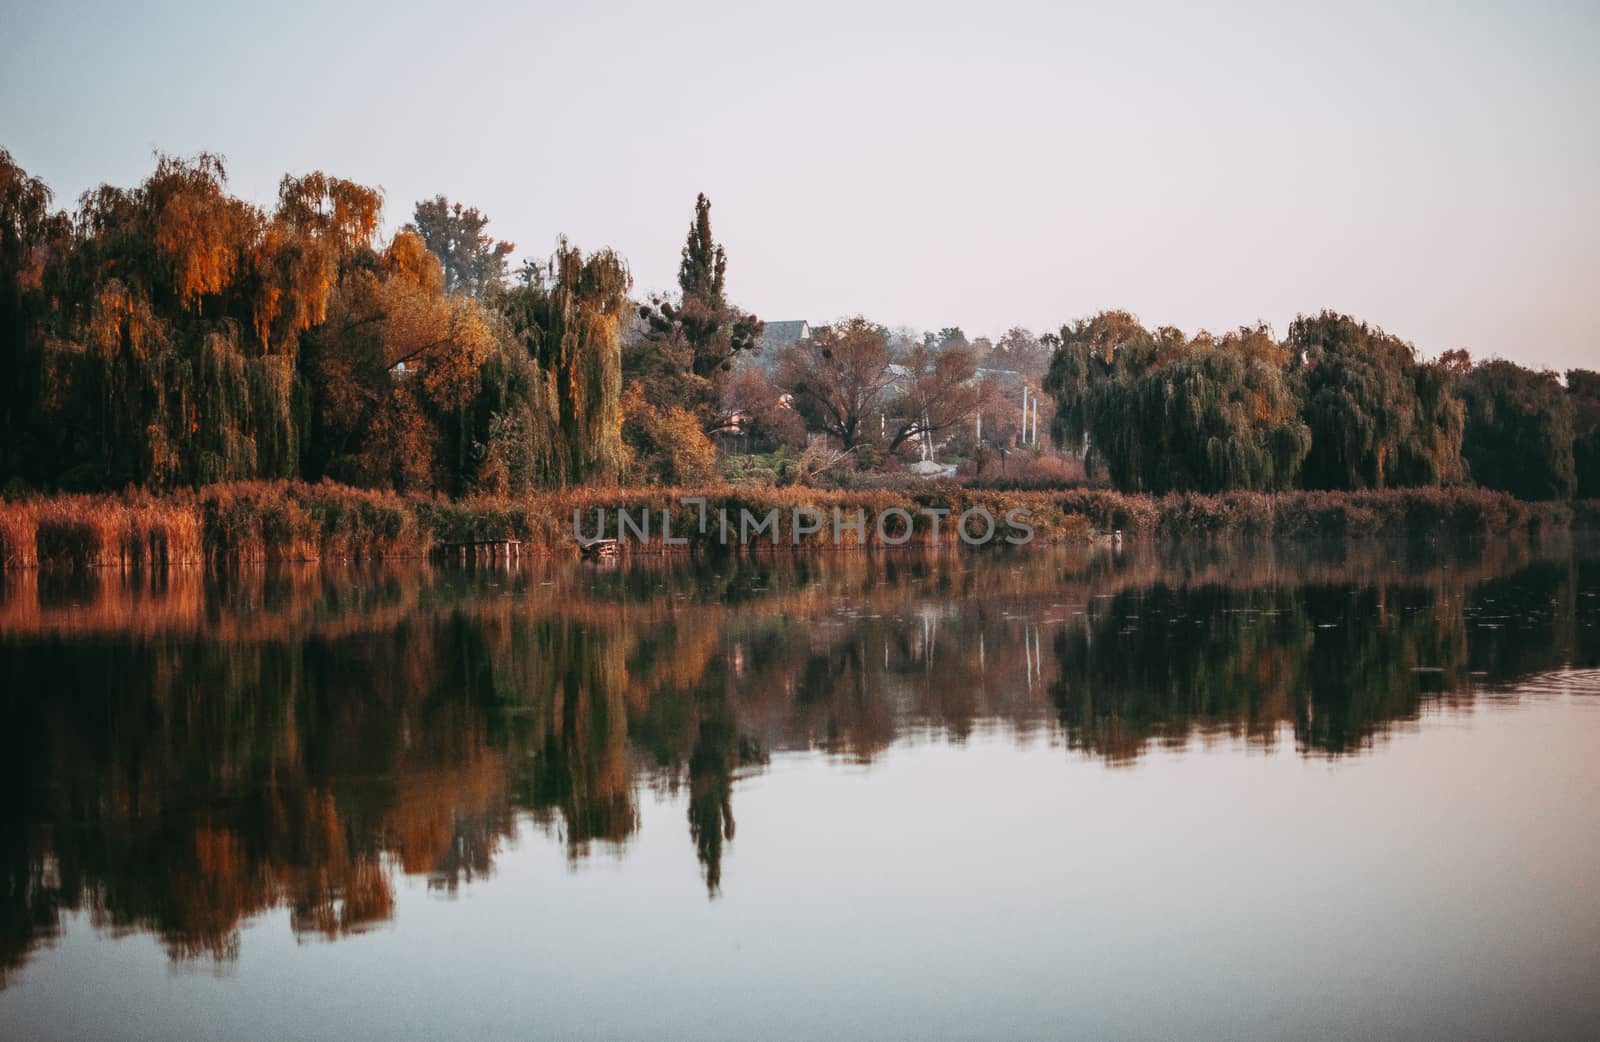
column 1432, row 169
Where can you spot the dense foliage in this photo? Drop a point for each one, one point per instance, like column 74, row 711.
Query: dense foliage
column 1518, row 432
column 1166, row 413
column 1378, row 418
column 1583, row 389
column 1338, row 405
column 174, row 335
column 171, row 335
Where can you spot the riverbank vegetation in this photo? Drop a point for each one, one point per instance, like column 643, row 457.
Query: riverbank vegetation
column 186, row 375
column 246, row 522
column 1336, row 405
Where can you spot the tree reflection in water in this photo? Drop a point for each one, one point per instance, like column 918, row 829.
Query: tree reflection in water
column 185, row 752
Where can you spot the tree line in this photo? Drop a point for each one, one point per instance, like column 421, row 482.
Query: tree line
column 174, row 335
column 1336, row 404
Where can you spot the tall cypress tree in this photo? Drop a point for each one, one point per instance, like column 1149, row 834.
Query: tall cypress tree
column 689, row 344
column 704, row 265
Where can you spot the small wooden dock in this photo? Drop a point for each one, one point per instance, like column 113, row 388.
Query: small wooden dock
column 480, row 550
column 599, row 549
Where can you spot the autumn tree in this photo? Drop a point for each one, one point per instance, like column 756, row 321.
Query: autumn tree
column 837, row 378
column 999, row 415
column 473, row 261
column 171, row 333
column 665, row 443
column 940, row 390
column 170, row 353
column 765, row 413
column 391, row 372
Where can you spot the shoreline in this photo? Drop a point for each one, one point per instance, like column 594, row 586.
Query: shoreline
column 251, row 522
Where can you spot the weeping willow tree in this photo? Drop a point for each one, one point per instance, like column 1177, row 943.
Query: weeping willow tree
column 1432, row 453
column 1337, row 405
column 167, row 353
column 513, row 419
column 1092, row 355
column 569, row 316
column 1378, row 419
column 1169, row 414
column 30, row 232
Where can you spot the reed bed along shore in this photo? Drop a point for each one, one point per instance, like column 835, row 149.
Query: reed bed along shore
column 294, row 521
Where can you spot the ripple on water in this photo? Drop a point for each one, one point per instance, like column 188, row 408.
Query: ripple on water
column 1583, row 682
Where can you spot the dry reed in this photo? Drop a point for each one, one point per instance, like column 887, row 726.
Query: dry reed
column 295, row 521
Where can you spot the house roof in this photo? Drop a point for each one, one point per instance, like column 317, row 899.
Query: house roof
column 780, row 334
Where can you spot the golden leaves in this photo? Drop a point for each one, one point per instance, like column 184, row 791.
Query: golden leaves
column 409, row 258
column 201, row 238
column 119, row 320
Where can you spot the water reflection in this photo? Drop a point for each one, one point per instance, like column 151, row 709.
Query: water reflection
column 183, row 753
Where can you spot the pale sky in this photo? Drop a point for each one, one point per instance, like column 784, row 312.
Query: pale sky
column 1430, row 168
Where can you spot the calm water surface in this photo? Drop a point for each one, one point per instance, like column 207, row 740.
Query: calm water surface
column 1336, row 792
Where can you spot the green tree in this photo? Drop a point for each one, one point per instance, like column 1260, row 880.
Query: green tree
column 1207, row 416
column 1583, row 390
column 685, row 348
column 1432, row 454
column 569, row 316
column 1518, row 433
column 474, row 262
column 949, row 336
column 513, row 418
column 1090, row 355
column 1377, row 418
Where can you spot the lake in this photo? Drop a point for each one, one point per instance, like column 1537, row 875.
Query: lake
column 1319, row 791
